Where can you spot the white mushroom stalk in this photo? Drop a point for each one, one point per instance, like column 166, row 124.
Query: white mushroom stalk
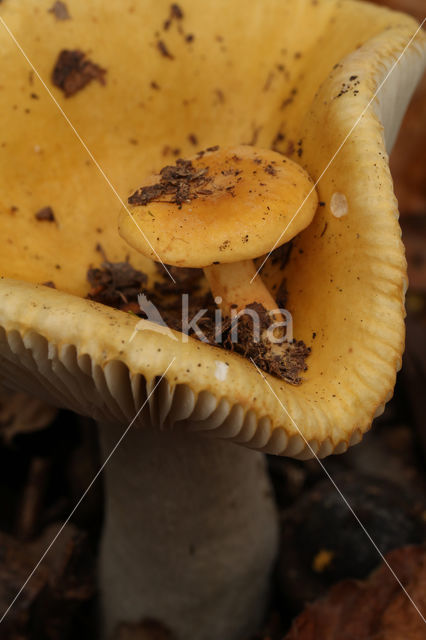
column 195, row 550
column 238, row 285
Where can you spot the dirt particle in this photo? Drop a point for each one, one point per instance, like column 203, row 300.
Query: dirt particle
column 290, row 148
column 281, row 295
column 280, row 137
column 73, row 71
column 270, row 169
column 181, row 182
column 268, row 81
column 60, row 11
column 45, row 215
column 220, row 96
column 162, row 48
column 176, row 12
column 116, row 284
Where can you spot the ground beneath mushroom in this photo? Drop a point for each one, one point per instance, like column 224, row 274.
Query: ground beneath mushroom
column 118, row 284
column 44, row 471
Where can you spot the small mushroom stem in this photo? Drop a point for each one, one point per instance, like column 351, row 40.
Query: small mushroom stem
column 238, row 284
column 190, row 534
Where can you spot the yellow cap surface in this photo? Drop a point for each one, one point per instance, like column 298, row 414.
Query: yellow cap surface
column 241, row 203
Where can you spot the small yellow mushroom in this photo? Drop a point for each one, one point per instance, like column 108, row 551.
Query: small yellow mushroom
column 219, row 210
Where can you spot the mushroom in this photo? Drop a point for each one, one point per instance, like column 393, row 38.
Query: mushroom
column 219, row 210
column 231, row 74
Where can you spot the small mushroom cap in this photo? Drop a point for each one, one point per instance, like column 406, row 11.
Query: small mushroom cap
column 234, row 203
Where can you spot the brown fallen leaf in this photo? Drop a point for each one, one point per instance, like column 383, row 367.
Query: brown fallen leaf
column 56, row 593
column 374, row 609
column 322, row 544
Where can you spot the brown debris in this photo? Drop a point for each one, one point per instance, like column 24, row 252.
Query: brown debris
column 176, row 15
column 255, row 135
column 282, row 294
column 290, row 148
column 374, row 609
column 268, row 81
column 115, row 284
column 324, row 229
column 270, row 169
column 60, row 10
column 73, row 71
column 181, row 181
column 287, row 365
column 280, row 137
column 176, row 12
column 118, row 285
column 162, row 48
column 220, row 96
column 45, row 215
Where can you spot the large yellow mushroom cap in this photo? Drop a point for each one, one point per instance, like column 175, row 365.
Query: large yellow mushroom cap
column 259, row 73
column 242, row 202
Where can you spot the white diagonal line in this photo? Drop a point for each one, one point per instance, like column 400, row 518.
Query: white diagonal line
column 345, row 500
column 84, row 145
column 114, row 449
column 357, row 121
